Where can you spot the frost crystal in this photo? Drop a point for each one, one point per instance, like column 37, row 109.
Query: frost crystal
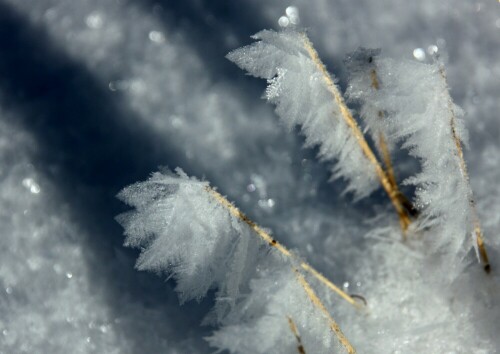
column 306, row 95
column 419, row 112
column 184, row 230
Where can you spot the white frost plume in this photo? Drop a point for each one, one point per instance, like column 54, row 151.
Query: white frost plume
column 421, row 113
column 186, row 230
column 306, row 95
column 364, row 84
column 275, row 298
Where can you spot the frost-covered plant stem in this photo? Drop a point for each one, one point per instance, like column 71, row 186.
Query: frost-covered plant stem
column 295, row 331
column 317, row 303
column 282, row 249
column 305, row 266
column 385, row 180
column 386, row 154
column 417, row 109
column 187, row 229
column 381, row 142
column 463, row 168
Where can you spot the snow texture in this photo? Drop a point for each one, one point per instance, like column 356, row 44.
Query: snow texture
column 44, row 296
column 301, row 93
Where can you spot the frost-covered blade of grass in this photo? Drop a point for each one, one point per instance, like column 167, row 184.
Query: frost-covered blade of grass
column 364, row 84
column 187, row 234
column 421, row 114
column 306, row 95
column 363, row 89
column 187, row 230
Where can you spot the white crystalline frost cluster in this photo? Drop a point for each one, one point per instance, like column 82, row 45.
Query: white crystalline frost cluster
column 184, row 231
column 411, row 105
column 302, row 95
column 364, row 85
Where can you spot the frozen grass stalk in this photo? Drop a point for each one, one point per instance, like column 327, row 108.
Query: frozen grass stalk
column 190, row 231
column 305, row 94
column 282, row 249
column 364, row 84
column 420, row 114
column 317, row 302
column 295, row 331
column 386, row 179
column 481, row 248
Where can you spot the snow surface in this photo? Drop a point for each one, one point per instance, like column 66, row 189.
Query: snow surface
column 94, row 95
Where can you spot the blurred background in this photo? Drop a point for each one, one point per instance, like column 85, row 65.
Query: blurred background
column 97, row 94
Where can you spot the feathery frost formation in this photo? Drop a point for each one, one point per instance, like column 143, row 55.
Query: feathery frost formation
column 419, row 112
column 364, row 84
column 298, row 87
column 260, row 323
column 185, row 232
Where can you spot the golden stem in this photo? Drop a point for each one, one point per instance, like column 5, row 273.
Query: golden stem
column 463, row 167
column 295, row 331
column 384, row 149
column 374, row 77
column 282, row 249
column 317, row 302
column 386, row 157
column 351, row 123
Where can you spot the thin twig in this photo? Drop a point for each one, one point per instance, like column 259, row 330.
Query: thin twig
column 295, row 331
column 353, row 125
column 386, row 156
column 282, row 249
column 384, row 149
column 317, row 302
column 463, row 167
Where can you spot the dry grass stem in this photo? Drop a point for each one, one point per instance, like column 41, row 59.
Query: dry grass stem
column 463, row 167
column 386, row 157
column 353, row 125
column 295, row 331
column 317, row 302
column 282, row 249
